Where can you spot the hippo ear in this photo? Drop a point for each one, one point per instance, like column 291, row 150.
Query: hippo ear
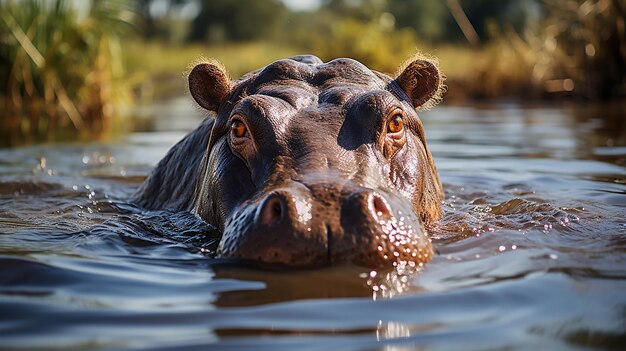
column 209, row 85
column 422, row 81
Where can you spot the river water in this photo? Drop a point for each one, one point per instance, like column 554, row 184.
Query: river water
column 531, row 252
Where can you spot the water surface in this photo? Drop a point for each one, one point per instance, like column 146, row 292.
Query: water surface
column 531, row 252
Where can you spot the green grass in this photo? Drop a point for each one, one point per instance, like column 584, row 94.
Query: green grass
column 60, row 73
column 158, row 59
column 491, row 71
column 160, row 67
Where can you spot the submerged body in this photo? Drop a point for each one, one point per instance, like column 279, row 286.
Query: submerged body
column 308, row 163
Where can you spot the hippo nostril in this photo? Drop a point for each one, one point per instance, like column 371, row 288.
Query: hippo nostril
column 271, row 210
column 379, row 207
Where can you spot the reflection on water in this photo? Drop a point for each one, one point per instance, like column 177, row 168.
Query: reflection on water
column 531, row 251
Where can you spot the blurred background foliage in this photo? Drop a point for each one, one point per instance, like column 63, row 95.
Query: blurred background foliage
column 72, row 68
column 61, row 67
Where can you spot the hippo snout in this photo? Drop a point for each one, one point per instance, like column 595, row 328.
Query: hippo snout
column 323, row 224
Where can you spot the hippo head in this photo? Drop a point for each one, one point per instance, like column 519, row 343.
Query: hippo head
column 310, row 163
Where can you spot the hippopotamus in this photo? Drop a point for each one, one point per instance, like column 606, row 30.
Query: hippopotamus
column 304, row 163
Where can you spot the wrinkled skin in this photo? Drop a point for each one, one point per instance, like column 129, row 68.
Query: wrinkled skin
column 308, row 163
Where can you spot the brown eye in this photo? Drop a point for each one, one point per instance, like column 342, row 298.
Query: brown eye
column 238, row 129
column 395, row 125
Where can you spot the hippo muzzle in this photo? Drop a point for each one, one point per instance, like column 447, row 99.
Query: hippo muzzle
column 303, row 225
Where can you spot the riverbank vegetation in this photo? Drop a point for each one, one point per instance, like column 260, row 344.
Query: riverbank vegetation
column 61, row 70
column 71, row 68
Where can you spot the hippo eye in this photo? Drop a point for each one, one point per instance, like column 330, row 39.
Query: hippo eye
column 238, row 129
column 396, row 124
column 395, row 137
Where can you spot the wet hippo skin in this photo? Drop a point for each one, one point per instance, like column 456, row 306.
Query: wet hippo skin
column 308, row 163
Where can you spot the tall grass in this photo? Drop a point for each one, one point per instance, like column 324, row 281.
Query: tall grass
column 584, row 43
column 578, row 50
column 491, row 71
column 159, row 67
column 158, row 58
column 61, row 68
